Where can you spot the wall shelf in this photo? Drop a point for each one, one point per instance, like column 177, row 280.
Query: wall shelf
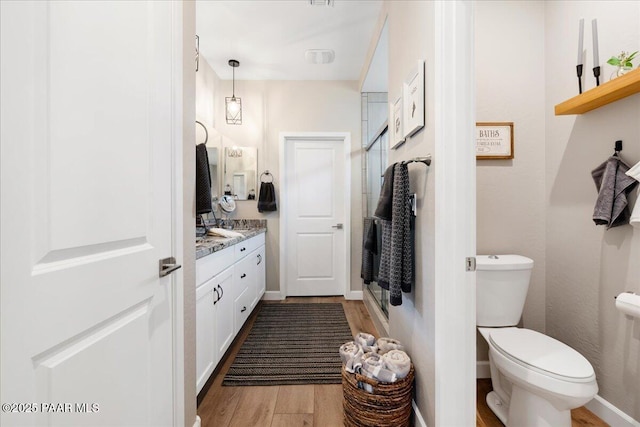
column 606, row 93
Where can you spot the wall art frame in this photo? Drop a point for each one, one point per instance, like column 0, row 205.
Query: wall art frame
column 494, row 141
column 413, row 96
column 396, row 138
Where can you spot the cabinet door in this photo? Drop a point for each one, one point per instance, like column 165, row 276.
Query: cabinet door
column 224, row 318
column 260, row 280
column 206, row 355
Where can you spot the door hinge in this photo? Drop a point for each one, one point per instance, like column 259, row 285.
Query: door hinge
column 470, row 263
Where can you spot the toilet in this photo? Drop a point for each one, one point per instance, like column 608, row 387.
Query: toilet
column 536, row 379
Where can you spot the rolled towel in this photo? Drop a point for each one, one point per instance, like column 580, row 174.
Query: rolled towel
column 367, row 342
column 397, row 362
column 386, row 344
column 374, row 367
column 351, row 355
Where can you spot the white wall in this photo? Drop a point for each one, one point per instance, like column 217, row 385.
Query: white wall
column 271, row 107
column 588, row 265
column 413, row 322
column 510, row 193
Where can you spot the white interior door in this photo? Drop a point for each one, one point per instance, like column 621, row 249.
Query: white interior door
column 315, row 217
column 86, row 169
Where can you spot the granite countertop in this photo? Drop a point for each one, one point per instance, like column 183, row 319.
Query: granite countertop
column 210, row 244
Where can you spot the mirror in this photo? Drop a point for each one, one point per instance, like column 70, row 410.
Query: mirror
column 212, row 142
column 240, row 172
column 212, row 153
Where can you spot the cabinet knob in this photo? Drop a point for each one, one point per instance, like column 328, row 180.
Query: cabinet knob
column 243, row 275
column 244, row 308
column 259, row 259
column 243, row 249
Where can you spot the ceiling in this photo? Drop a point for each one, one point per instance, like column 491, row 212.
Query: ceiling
column 270, row 37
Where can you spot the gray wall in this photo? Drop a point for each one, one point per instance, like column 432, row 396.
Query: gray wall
column 510, row 193
column 413, row 322
column 588, row 265
column 541, row 203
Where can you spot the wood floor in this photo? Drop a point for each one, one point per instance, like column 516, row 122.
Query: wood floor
column 315, row 405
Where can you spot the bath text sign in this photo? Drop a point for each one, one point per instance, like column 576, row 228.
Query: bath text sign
column 494, row 140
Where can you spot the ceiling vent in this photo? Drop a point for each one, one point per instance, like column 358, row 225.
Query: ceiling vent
column 319, row 56
column 321, row 3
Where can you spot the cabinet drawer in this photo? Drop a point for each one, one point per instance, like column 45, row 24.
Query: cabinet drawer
column 245, row 247
column 243, row 275
column 242, row 309
column 210, row 265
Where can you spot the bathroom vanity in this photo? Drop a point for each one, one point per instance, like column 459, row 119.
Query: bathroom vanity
column 230, row 280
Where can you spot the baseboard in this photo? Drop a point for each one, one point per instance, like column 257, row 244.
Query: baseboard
column 380, row 321
column 417, row 416
column 482, row 369
column 198, row 422
column 610, row 414
column 353, row 295
column 272, row 296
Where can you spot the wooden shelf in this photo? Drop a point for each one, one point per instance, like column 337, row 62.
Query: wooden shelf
column 606, row 93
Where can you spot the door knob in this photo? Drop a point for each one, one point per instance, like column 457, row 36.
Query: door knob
column 338, row 226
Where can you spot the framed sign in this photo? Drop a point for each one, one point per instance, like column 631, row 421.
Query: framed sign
column 413, row 96
column 395, row 124
column 494, row 140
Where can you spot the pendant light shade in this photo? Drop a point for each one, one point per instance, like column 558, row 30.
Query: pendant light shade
column 233, row 104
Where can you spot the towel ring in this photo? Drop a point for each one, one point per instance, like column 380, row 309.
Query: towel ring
column 267, row 173
column 206, row 132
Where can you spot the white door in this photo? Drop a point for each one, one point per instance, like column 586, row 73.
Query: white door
column 314, row 226
column 86, row 176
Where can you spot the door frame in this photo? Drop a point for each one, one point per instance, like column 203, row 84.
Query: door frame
column 455, row 214
column 285, row 138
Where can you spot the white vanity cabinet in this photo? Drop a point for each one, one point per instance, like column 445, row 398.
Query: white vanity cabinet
column 213, row 334
column 229, row 284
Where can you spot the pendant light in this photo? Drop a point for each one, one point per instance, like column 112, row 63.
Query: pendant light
column 233, row 105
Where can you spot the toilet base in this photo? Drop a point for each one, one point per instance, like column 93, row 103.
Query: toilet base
column 527, row 410
column 497, row 406
column 530, row 410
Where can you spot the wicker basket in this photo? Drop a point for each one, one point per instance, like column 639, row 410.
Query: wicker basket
column 389, row 405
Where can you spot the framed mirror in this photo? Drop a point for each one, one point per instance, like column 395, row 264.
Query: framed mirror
column 240, row 172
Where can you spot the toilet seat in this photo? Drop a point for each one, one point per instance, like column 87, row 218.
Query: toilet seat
column 542, row 354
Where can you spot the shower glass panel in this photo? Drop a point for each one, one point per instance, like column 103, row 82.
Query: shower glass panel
column 376, row 163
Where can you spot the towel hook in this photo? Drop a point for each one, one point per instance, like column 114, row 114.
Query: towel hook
column 268, row 174
column 206, row 132
column 618, row 147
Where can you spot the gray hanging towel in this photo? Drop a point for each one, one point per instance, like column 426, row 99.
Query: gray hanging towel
column 203, row 180
column 613, row 185
column 396, row 263
column 267, row 197
column 385, row 202
column 369, row 248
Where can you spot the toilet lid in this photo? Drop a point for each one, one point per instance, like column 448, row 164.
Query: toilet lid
column 542, row 352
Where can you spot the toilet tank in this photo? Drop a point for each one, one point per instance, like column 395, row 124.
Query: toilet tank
column 502, row 282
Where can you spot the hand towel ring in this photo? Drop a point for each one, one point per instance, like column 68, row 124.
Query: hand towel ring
column 268, row 174
column 206, row 132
